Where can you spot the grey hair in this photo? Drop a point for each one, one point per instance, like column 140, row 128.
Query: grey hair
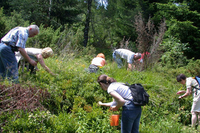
column 138, row 54
column 35, row 27
column 47, row 51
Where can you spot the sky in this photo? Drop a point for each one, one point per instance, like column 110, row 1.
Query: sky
column 102, row 3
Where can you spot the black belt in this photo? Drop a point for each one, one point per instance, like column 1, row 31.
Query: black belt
column 13, row 48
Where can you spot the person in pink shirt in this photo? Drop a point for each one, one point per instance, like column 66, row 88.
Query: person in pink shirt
column 97, row 62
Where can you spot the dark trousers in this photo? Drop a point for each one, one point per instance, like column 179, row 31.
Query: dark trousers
column 93, row 68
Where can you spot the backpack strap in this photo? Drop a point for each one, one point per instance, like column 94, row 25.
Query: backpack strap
column 127, row 84
column 195, row 87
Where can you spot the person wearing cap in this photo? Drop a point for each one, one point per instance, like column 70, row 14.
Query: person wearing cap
column 38, row 55
column 15, row 40
column 126, row 54
column 97, row 62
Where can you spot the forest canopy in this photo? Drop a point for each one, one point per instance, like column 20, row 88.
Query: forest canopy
column 77, row 30
column 106, row 22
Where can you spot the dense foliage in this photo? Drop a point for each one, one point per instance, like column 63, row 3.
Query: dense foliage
column 71, row 105
column 68, row 101
column 107, row 25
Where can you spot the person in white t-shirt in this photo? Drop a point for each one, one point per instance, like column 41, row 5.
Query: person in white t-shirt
column 121, row 94
column 97, row 62
column 126, row 54
column 192, row 88
column 38, row 55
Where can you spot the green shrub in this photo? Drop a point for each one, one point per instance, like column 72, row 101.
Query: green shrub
column 173, row 55
column 2, row 23
column 9, row 22
column 75, row 93
column 193, row 67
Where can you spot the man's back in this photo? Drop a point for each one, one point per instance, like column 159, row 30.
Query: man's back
column 125, row 54
column 16, row 37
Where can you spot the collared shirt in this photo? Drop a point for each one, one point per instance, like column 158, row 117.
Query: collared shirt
column 16, row 37
column 125, row 54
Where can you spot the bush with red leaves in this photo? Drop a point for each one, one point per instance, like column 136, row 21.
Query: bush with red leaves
column 17, row 97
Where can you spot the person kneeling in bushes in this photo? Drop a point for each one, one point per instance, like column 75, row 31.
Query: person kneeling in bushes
column 97, row 62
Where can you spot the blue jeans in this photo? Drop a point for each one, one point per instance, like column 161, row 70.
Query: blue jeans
column 118, row 60
column 8, row 63
column 130, row 120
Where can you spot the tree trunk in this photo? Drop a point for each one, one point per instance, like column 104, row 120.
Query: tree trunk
column 50, row 4
column 86, row 30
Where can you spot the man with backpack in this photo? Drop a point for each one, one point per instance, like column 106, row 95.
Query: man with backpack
column 192, row 88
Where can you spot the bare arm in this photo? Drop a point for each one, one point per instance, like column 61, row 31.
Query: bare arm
column 41, row 61
column 180, row 92
column 25, row 55
column 105, row 104
column 130, row 67
column 187, row 93
column 120, row 101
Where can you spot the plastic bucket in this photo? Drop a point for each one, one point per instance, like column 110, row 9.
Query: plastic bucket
column 114, row 120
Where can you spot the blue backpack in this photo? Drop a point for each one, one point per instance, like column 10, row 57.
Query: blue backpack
column 198, row 81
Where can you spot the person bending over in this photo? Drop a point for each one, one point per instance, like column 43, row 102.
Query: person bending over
column 15, row 40
column 126, row 54
column 192, row 87
column 121, row 94
column 97, row 63
column 38, row 55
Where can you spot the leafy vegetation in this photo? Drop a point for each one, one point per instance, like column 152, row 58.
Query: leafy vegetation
column 68, row 101
column 105, row 26
column 71, row 105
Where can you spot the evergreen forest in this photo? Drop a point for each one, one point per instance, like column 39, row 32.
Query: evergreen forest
column 77, row 30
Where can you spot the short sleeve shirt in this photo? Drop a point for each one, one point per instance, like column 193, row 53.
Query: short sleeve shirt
column 98, row 61
column 122, row 90
column 16, row 37
column 32, row 52
column 125, row 54
column 191, row 83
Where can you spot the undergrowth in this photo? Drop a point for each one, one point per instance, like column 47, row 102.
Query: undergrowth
column 71, row 105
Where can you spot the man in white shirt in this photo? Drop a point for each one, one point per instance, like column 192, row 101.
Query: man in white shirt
column 126, row 54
